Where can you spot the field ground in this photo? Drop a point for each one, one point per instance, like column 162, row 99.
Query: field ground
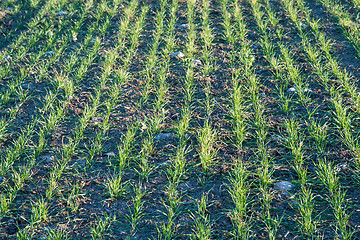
column 177, row 119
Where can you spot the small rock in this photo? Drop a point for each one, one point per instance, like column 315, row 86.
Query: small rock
column 48, row 158
column 47, row 228
column 292, row 90
column 341, row 167
column 184, row 26
column 50, row 53
column 304, row 25
column 306, row 90
column 110, row 154
column 177, row 54
column 161, row 136
column 25, row 85
column 96, row 121
column 262, row 94
column 7, row 57
column 197, row 62
column 331, row 27
column 283, row 185
column 284, row 193
column 165, row 163
column 60, row 13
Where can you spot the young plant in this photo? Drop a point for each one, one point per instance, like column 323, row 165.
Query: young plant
column 39, row 212
column 202, row 223
column 136, row 213
column 239, row 192
column 57, row 235
column 207, row 151
column 99, row 229
column 115, row 186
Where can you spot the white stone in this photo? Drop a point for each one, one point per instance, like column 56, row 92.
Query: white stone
column 184, row 26
column 308, row 90
column 50, row 53
column 197, row 62
column 177, row 54
column 7, row 57
column 292, row 90
column 304, row 25
column 165, row 163
column 340, row 167
column 283, row 185
column 60, row 13
column 48, row 158
column 110, row 154
column 25, row 85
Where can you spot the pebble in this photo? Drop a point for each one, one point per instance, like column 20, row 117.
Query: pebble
column 60, row 13
column 161, row 136
column 48, row 158
column 308, row 90
column 177, row 54
column 25, row 85
column 283, row 185
column 341, row 167
column 110, row 154
column 7, row 57
column 304, row 25
column 50, row 53
column 184, row 26
column 165, row 163
column 96, row 120
column 47, row 228
column 197, row 62
column 292, row 90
